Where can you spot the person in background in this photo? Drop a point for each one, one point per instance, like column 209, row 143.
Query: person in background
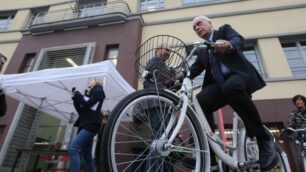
column 89, row 122
column 3, row 107
column 230, row 79
column 165, row 76
column 162, row 76
column 297, row 119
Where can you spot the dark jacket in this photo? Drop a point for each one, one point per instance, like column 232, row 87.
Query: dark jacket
column 87, row 113
column 2, row 104
column 297, row 119
column 235, row 60
column 163, row 74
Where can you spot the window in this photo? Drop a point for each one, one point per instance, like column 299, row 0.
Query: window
column 66, row 56
column 38, row 15
column 85, row 2
column 5, row 22
column 28, row 63
column 91, row 10
column 253, row 57
column 296, row 56
column 112, row 53
column 151, row 5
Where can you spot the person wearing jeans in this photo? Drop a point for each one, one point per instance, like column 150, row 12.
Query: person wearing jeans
column 83, row 142
column 89, row 122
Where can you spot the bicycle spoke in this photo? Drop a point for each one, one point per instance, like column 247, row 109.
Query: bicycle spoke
column 186, row 149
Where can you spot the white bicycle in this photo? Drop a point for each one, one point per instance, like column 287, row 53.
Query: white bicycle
column 170, row 128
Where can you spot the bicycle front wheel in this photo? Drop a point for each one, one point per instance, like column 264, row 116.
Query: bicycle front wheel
column 133, row 138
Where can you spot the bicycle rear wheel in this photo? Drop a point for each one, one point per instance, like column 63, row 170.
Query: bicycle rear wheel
column 251, row 152
column 131, row 140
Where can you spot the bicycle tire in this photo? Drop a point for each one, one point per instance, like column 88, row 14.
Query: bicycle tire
column 250, row 147
column 117, row 152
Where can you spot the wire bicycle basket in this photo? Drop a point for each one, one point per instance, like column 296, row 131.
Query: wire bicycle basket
column 166, row 70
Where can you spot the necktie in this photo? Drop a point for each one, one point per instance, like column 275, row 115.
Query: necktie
column 215, row 68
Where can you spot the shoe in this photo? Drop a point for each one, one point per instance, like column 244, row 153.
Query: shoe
column 214, row 168
column 267, row 155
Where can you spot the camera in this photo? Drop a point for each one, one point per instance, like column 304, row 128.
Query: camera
column 86, row 92
column 73, row 89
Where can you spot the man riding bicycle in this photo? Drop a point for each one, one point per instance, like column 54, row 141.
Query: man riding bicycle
column 230, row 79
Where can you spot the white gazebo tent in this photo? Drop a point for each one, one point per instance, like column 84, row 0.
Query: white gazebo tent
column 49, row 90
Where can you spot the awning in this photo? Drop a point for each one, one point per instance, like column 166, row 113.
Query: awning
column 49, row 89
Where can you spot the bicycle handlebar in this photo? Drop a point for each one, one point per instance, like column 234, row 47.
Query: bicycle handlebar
column 196, row 46
column 295, row 130
column 207, row 44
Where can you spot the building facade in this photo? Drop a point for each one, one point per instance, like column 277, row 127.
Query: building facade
column 52, row 34
column 45, row 34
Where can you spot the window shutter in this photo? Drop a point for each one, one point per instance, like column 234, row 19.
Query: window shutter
column 62, row 58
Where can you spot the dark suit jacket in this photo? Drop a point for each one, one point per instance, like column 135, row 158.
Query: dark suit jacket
column 235, row 60
column 2, row 105
column 88, row 115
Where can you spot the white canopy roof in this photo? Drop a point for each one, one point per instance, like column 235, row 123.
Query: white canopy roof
column 49, row 89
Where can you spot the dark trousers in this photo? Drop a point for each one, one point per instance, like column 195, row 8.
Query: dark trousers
column 235, row 93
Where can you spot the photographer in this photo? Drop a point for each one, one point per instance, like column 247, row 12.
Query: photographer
column 89, row 121
column 2, row 96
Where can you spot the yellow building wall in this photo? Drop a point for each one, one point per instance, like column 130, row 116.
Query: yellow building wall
column 281, row 89
column 249, row 25
column 7, row 37
column 62, row 6
column 268, row 23
column 20, row 20
column 273, row 58
column 24, row 4
column 221, row 8
column 8, row 50
column 173, row 3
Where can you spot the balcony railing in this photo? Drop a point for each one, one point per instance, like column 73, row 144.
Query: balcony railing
column 106, row 10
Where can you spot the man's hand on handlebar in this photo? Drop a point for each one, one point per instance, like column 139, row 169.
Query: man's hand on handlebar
column 223, row 46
